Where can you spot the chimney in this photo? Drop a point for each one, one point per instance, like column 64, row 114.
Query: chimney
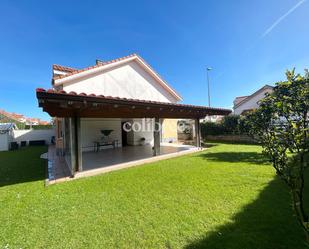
column 99, row 62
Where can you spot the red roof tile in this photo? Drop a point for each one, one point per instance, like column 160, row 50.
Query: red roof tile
column 63, row 68
column 75, row 71
column 62, row 92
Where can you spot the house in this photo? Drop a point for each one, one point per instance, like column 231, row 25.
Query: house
column 111, row 114
column 248, row 103
column 6, row 135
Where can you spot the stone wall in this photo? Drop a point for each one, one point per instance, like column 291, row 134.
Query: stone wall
column 230, row 138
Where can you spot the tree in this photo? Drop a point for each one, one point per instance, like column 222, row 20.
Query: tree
column 230, row 124
column 281, row 125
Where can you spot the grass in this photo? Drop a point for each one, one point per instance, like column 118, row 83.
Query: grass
column 226, row 197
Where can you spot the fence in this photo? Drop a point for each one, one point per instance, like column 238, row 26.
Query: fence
column 230, row 138
column 33, row 135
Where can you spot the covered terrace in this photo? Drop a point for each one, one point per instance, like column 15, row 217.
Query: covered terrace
column 73, row 108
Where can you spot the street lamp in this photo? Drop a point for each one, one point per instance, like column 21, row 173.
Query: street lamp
column 208, row 69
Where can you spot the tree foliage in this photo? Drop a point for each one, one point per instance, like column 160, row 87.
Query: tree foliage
column 231, row 124
column 281, row 124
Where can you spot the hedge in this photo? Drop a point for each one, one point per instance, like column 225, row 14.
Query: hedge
column 230, row 125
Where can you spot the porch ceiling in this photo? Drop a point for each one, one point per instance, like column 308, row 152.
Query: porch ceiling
column 63, row 104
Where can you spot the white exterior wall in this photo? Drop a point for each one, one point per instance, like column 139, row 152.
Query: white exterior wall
column 29, row 135
column 91, row 131
column 126, row 81
column 147, row 133
column 252, row 103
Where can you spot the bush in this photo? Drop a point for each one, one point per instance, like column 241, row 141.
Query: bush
column 230, row 125
column 210, row 128
column 39, row 127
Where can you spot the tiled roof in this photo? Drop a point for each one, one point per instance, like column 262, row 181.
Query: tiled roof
column 63, row 68
column 76, row 71
column 128, row 100
column 246, row 98
column 239, row 99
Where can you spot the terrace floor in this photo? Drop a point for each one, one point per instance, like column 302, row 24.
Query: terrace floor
column 109, row 157
column 112, row 159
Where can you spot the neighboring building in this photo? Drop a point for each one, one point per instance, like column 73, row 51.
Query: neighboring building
column 91, row 106
column 20, row 118
column 6, row 135
column 248, row 103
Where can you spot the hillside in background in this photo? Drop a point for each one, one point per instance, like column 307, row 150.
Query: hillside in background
column 5, row 119
column 23, row 122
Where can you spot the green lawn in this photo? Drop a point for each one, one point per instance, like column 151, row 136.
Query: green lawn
column 226, row 197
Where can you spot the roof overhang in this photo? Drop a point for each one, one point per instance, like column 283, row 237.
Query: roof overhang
column 63, row 104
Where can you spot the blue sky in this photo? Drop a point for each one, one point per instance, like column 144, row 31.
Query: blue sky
column 247, row 43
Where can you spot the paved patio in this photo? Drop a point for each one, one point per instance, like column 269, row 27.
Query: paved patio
column 108, row 160
column 57, row 168
column 110, row 157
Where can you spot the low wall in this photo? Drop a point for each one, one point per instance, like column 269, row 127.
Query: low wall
column 185, row 136
column 231, row 138
column 30, row 135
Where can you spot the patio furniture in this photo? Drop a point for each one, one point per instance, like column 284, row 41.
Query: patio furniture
column 97, row 145
column 105, row 141
column 106, row 134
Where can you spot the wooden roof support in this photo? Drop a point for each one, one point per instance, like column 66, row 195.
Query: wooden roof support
column 61, row 104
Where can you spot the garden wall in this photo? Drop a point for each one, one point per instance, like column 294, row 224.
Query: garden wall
column 31, row 135
column 184, row 136
column 230, row 138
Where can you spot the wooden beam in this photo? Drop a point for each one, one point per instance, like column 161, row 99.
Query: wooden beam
column 78, row 141
column 58, row 104
column 198, row 132
column 156, row 137
column 72, row 148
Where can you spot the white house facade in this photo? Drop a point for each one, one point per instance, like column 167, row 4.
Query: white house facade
column 93, row 105
column 248, row 103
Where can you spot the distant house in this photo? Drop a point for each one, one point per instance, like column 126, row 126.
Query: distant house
column 248, row 103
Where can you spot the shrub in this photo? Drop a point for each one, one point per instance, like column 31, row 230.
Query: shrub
column 39, row 127
column 281, row 124
column 232, row 124
column 210, row 128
